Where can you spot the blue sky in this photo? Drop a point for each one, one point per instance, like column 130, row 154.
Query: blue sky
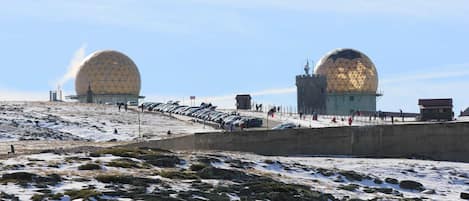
column 216, row 48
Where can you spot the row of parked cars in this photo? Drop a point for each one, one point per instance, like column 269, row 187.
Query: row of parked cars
column 206, row 112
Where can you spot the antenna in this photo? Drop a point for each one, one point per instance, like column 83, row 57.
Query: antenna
column 307, row 67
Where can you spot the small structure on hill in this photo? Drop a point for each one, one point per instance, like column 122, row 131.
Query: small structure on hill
column 436, row 109
column 465, row 112
column 243, row 102
column 55, row 95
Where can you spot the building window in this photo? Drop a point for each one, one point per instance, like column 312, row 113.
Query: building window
column 352, row 98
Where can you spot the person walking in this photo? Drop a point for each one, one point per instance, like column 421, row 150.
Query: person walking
column 350, row 121
column 125, row 107
column 119, row 105
column 12, row 149
column 402, row 115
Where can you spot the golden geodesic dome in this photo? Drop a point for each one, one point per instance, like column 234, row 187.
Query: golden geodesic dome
column 348, row 71
column 108, row 72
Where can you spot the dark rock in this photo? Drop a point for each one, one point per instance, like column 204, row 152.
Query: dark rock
column 412, row 185
column 391, row 181
column 268, row 189
column 369, row 190
column 270, row 162
column 377, row 181
column 381, row 190
column 20, row 176
column 236, row 163
column 89, row 166
column 325, row 172
column 216, row 173
column 162, row 160
column 75, row 158
column 384, row 190
column 339, row 179
column 464, row 196
column 23, row 178
column 178, row 175
column 208, row 160
column 352, row 175
column 126, row 179
column 197, row 166
column 8, row 196
column 94, row 154
column 349, row 187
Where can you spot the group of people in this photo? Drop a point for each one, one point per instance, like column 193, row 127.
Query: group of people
column 258, row 107
column 350, row 120
column 120, row 105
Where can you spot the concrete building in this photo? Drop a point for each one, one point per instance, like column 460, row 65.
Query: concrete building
column 351, row 84
column 311, row 92
column 436, row 109
column 107, row 77
column 465, row 112
column 55, row 95
column 243, row 102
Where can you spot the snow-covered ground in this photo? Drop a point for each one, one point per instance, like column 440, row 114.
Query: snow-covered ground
column 56, row 173
column 441, row 180
column 343, row 178
column 326, row 120
column 75, row 121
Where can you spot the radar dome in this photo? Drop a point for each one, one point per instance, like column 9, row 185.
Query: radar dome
column 348, row 71
column 108, row 72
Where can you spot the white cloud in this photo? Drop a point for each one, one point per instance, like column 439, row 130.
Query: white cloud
column 73, row 66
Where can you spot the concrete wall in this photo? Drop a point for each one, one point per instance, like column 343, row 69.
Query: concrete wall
column 103, row 98
column 343, row 103
column 439, row 141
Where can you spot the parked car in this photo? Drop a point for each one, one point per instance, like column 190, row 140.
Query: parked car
column 227, row 123
column 132, row 103
column 284, row 126
column 252, row 122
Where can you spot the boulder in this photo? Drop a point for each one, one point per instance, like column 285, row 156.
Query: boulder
column 391, row 181
column 464, row 196
column 411, row 185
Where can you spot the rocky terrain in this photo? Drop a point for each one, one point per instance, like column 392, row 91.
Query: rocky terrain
column 73, row 160
column 148, row 174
